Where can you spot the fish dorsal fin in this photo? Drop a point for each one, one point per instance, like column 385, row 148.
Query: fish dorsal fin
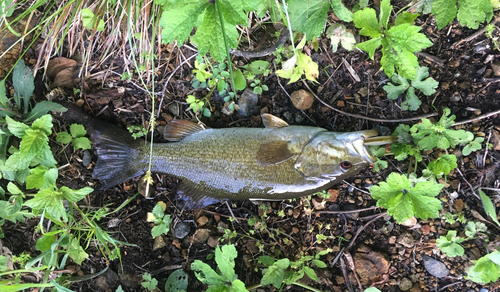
column 273, row 122
column 274, row 152
column 179, row 129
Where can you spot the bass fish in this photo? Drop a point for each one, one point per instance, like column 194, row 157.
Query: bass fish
column 272, row 163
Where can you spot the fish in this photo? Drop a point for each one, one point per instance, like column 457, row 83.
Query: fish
column 279, row 161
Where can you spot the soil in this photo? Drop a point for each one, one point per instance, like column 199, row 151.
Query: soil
column 384, row 254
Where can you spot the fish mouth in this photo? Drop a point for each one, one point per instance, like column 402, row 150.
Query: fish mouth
column 371, row 138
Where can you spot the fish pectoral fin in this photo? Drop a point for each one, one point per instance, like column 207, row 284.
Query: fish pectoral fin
column 274, row 152
column 193, row 198
column 179, row 129
column 273, row 122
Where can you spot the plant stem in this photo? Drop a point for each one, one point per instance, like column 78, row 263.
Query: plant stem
column 228, row 56
column 306, row 286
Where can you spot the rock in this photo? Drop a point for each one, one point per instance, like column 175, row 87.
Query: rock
column 370, row 265
column 495, row 140
column 288, row 116
column 107, row 280
column 201, row 235
column 248, row 103
column 340, row 103
column 182, row 230
column 405, row 284
column 130, row 280
column 406, row 240
column 213, row 241
column 87, row 158
column 302, row 99
column 202, row 221
column 435, row 267
column 173, row 108
column 159, row 243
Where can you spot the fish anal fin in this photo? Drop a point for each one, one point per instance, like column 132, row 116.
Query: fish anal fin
column 274, row 152
column 179, row 129
column 193, row 198
column 273, row 122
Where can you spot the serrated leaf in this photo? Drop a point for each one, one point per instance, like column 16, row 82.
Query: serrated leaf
column 206, row 274
column 76, row 251
column 341, row 11
column 394, row 91
column 81, row 143
column 16, row 162
column 366, row 20
column 385, row 13
column 23, row 80
column 209, row 36
column 16, row 128
column 445, row 11
column 485, row 270
column 224, row 257
column 41, row 178
column 370, row 46
column 406, row 17
column 51, row 201
column 232, row 11
column 63, row 137
column 32, row 143
column 472, row 13
column 309, row 16
column 158, row 230
column 449, row 244
column 443, row 165
column 275, row 274
column 74, row 196
column 489, row 208
column 178, row 19
column 77, row 130
column 412, row 102
column 43, row 108
column 427, row 86
column 43, row 123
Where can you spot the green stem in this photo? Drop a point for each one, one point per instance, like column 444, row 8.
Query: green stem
column 288, row 25
column 228, row 56
column 306, row 286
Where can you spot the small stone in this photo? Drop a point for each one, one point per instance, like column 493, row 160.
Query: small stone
column 107, row 280
column 406, row 240
column 202, row 221
column 288, row 116
column 159, row 243
column 182, row 230
column 392, row 240
column 340, row 103
column 201, row 235
column 87, row 158
column 459, row 205
column 435, row 267
column 334, row 194
column 248, row 103
column 405, row 284
column 174, row 109
column 80, row 102
column 495, row 66
column 213, row 241
column 426, row 229
column 302, row 99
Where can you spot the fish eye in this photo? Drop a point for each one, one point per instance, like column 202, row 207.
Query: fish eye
column 345, row 165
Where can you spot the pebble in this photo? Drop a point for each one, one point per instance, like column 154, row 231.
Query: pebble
column 302, row 99
column 213, row 241
column 201, row 235
column 107, row 280
column 202, row 221
column 174, row 109
column 182, row 230
column 405, row 284
column 406, row 240
column 248, row 103
column 288, row 116
column 435, row 267
column 159, row 243
column 340, row 103
column 87, row 158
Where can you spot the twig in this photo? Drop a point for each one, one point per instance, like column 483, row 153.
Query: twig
column 477, row 118
column 363, row 228
column 368, row 118
column 347, row 211
column 473, row 36
column 470, row 186
column 226, row 216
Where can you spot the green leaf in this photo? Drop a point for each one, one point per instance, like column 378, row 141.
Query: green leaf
column 449, row 244
column 473, row 146
column 473, row 12
column 206, row 274
column 177, row 281
column 489, row 208
column 238, row 286
column 341, row 11
column 403, row 201
column 370, row 46
column 240, row 82
column 405, row 17
column 319, row 264
column 445, row 11
column 158, row 211
column 232, row 11
column 76, row 251
column 13, row 189
column 274, row 274
column 74, row 196
column 41, row 178
column 443, row 165
column 412, row 102
column 425, row 7
column 45, row 242
column 308, row 17
column 158, row 230
column 225, row 260
column 77, row 130
column 16, row 128
column 50, row 200
column 18, row 216
column 427, row 86
column 394, row 91
column 43, row 108
column 63, row 137
column 81, row 143
column 32, row 143
column 485, row 270
column 89, row 20
column 385, row 12
column 23, row 80
column 366, row 20
column 209, row 35
column 16, row 162
column 44, row 123
column 178, row 19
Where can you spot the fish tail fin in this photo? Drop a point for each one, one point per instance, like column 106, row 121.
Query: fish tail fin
column 120, row 157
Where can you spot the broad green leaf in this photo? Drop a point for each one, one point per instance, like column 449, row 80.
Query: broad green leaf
column 76, row 251
column 158, row 211
column 449, row 244
column 445, row 11
column 319, row 264
column 443, row 165
column 89, row 20
column 45, row 242
column 50, row 200
column 366, row 20
column 44, row 123
column 311, row 273
column 74, row 196
column 425, row 7
column 370, row 46
column 209, row 35
column 81, row 143
column 43, row 108
column 308, row 16
column 177, row 281
column 23, row 80
column 16, row 162
column 77, row 130
column 13, row 189
column 232, row 11
column 274, row 275
column 41, row 178
column 158, row 230
column 206, row 274
column 238, row 286
column 178, row 19
column 63, row 137
column 16, row 128
column 32, row 143
column 240, row 82
column 485, row 270
column 412, row 102
column 394, row 91
column 17, row 217
column 266, row 260
column 473, row 12
column 3, row 94
column 489, row 208
column 341, row 11
column 7, row 13
column 406, row 17
column 385, row 13
column 224, row 257
column 427, row 86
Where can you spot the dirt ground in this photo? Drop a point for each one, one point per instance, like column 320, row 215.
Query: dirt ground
column 385, row 254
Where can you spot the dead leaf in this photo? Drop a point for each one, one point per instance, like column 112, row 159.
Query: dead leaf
column 64, row 73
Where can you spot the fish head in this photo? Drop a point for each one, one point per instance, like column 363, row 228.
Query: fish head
column 331, row 155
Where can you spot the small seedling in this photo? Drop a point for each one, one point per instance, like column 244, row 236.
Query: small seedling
column 339, row 35
column 486, row 269
column 149, row 283
column 77, row 137
column 137, row 131
column 300, row 64
column 160, row 219
column 449, row 244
